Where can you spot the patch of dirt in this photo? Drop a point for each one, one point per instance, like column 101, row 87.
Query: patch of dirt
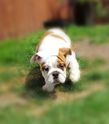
column 90, row 51
column 11, row 99
column 5, row 68
column 8, row 85
column 64, row 97
column 5, row 87
column 39, row 111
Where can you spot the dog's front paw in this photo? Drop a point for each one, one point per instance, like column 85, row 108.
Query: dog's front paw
column 74, row 78
column 48, row 87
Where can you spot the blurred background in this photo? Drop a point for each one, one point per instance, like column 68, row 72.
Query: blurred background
column 20, row 17
column 22, row 25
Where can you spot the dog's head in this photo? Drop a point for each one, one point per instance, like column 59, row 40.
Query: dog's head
column 53, row 67
column 52, row 71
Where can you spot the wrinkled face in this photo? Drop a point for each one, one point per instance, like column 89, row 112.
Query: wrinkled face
column 54, row 70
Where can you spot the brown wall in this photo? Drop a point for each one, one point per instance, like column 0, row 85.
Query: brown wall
column 19, row 17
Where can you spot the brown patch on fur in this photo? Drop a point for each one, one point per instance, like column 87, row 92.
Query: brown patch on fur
column 63, row 52
column 42, row 66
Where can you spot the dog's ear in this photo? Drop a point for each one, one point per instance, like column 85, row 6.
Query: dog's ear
column 35, row 58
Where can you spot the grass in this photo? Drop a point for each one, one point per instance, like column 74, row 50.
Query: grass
column 9, row 74
column 97, row 75
column 95, row 34
column 18, row 51
column 12, row 115
column 23, row 80
column 24, row 48
column 91, row 110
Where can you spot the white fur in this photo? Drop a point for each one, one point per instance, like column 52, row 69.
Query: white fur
column 48, row 51
column 74, row 67
column 51, row 45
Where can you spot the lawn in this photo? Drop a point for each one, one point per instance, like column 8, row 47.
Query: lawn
column 21, row 98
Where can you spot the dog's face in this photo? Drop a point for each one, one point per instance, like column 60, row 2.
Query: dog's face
column 53, row 70
column 53, row 67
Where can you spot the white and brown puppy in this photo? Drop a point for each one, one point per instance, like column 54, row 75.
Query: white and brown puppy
column 55, row 56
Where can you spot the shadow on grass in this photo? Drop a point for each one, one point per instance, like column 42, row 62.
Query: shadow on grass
column 68, row 86
column 35, row 81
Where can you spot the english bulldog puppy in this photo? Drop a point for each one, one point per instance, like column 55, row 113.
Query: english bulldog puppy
column 55, row 56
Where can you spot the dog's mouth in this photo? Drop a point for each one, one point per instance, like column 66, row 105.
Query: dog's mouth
column 60, row 79
column 56, row 81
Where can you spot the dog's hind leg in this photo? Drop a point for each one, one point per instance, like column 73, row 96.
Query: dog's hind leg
column 73, row 67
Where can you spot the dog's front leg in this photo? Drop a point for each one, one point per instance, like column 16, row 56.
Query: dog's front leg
column 74, row 67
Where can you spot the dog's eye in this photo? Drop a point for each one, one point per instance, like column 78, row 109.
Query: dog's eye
column 46, row 68
column 61, row 66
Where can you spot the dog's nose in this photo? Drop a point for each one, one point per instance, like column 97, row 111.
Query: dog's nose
column 55, row 74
